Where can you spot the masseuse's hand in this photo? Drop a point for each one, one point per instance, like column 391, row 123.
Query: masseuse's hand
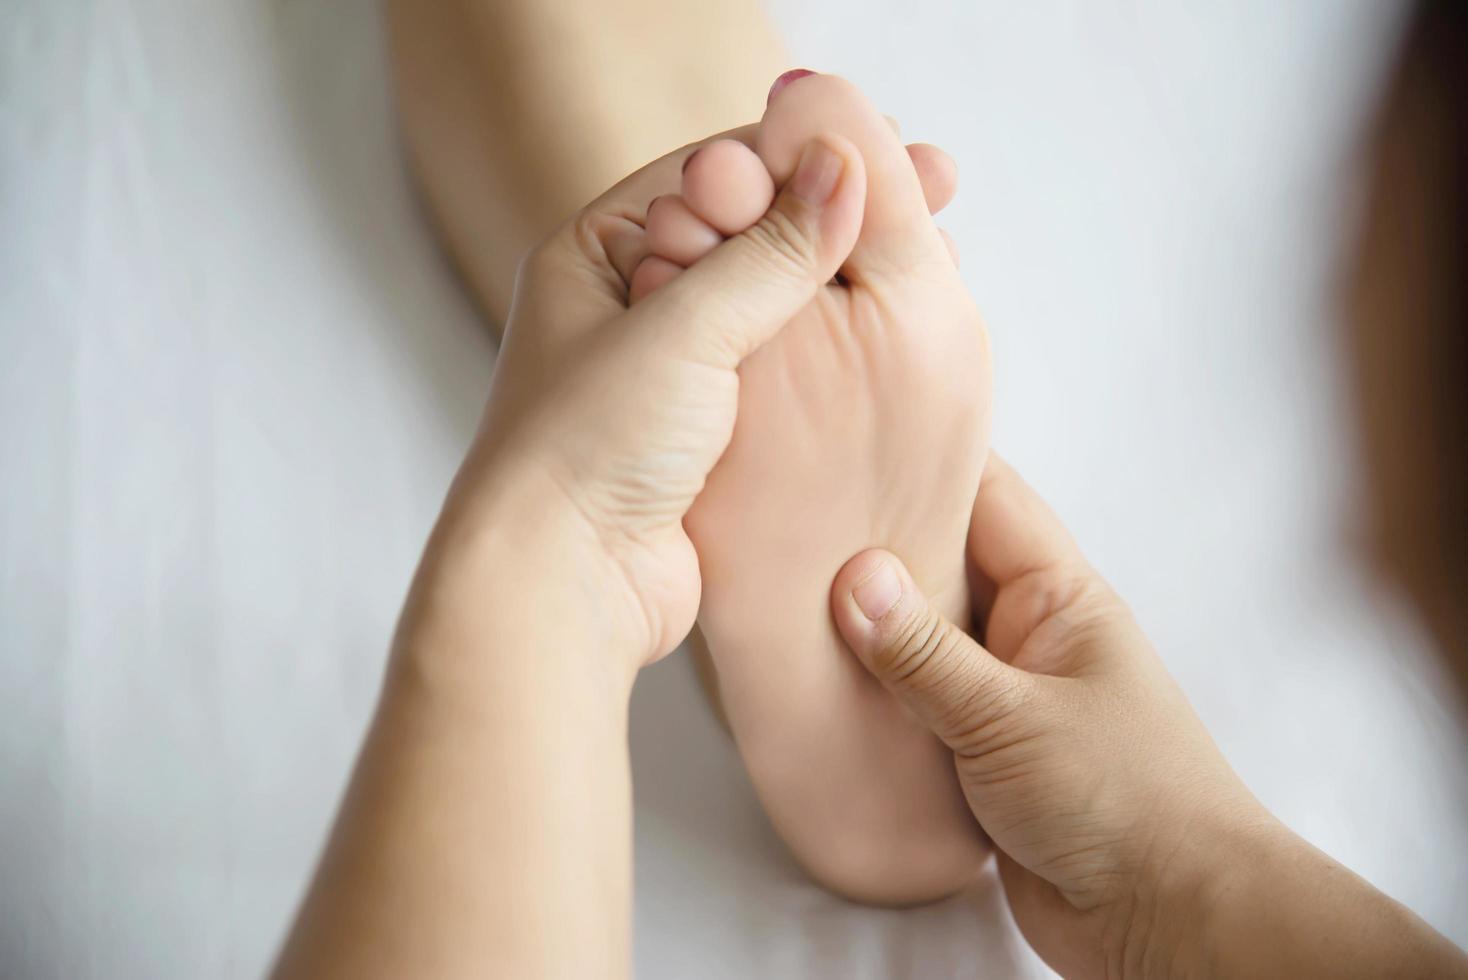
column 487, row 829
column 1127, row 845
column 604, row 421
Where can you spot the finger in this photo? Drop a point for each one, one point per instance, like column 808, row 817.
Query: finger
column 894, row 125
column 896, row 233
column 623, row 240
column 1013, row 532
column 651, row 273
column 1026, row 566
column 950, row 682
column 741, row 294
column 936, row 172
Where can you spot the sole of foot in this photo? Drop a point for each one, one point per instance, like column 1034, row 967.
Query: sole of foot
column 863, row 423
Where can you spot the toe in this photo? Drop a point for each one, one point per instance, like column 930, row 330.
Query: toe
column 676, row 233
column 727, row 186
column 936, row 172
column 897, row 231
column 651, row 272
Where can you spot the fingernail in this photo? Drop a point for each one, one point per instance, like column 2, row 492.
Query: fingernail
column 819, row 172
column 689, row 159
column 876, row 594
column 785, row 79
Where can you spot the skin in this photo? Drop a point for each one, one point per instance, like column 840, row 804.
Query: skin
column 498, row 125
column 813, row 472
column 515, row 113
column 510, row 134
column 487, row 826
column 1127, row 846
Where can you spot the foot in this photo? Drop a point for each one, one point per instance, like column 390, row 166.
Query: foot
column 864, row 423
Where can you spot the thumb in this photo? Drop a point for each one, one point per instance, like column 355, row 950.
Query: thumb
column 738, row 296
column 955, row 686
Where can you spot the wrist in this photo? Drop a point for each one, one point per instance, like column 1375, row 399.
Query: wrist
column 1238, row 893
column 512, row 574
column 1186, row 899
column 1267, row 903
column 1291, row 910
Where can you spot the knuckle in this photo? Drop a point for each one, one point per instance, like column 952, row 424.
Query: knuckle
column 575, row 253
column 917, row 648
column 581, row 237
column 592, row 236
column 979, row 722
column 968, row 696
column 587, row 229
column 784, row 243
column 1067, row 589
column 696, row 323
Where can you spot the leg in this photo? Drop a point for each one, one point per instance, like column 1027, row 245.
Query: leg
column 518, row 112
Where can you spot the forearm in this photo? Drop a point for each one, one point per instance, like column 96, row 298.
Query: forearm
column 1283, row 908
column 487, row 829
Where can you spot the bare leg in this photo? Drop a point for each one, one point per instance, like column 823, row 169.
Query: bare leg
column 518, row 112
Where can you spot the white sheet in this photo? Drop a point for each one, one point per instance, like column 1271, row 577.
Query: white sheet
column 235, row 377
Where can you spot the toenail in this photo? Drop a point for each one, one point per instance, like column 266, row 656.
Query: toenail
column 792, row 75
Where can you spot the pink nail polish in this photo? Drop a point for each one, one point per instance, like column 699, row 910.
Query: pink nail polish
column 792, row 75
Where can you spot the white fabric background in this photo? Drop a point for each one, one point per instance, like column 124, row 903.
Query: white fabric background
column 235, row 378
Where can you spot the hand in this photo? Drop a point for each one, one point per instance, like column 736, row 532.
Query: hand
column 1077, row 753
column 487, row 828
column 610, row 419
column 1127, row 844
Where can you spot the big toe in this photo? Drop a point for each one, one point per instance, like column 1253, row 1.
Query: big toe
column 897, row 231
